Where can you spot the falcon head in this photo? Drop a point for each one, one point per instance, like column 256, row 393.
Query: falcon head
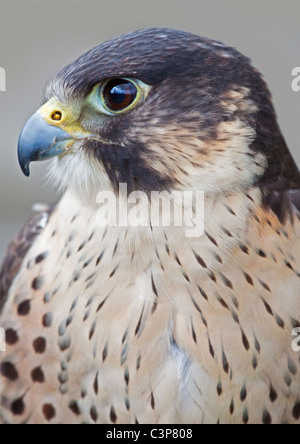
column 160, row 109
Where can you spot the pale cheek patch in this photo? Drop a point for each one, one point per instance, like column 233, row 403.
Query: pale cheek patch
column 80, row 172
column 221, row 165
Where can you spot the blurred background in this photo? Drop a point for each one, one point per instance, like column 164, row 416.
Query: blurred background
column 38, row 37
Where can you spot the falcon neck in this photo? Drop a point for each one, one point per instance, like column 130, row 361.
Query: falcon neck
column 222, row 227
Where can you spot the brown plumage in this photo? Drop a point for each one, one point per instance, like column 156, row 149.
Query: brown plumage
column 125, row 325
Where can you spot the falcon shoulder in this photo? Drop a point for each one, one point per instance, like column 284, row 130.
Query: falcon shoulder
column 18, row 249
column 280, row 185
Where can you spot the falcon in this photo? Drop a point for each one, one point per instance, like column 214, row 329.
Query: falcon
column 143, row 324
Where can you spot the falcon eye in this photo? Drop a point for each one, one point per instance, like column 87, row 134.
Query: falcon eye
column 119, row 94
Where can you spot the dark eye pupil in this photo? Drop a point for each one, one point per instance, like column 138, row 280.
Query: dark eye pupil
column 119, row 94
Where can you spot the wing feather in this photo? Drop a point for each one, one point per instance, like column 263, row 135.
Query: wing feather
column 17, row 251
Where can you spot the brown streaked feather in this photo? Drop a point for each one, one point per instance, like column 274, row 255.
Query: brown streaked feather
column 18, row 249
column 92, row 349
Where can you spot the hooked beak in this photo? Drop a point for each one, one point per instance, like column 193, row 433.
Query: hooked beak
column 41, row 141
column 50, row 132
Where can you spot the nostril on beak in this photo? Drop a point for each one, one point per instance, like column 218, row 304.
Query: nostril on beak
column 56, row 116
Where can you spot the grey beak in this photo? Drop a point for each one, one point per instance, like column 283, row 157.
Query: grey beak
column 40, row 141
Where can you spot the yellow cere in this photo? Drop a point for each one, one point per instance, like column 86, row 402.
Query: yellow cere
column 65, row 116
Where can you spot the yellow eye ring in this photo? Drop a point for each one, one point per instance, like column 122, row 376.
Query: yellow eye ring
column 118, row 95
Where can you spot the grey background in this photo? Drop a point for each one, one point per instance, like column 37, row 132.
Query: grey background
column 38, row 37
